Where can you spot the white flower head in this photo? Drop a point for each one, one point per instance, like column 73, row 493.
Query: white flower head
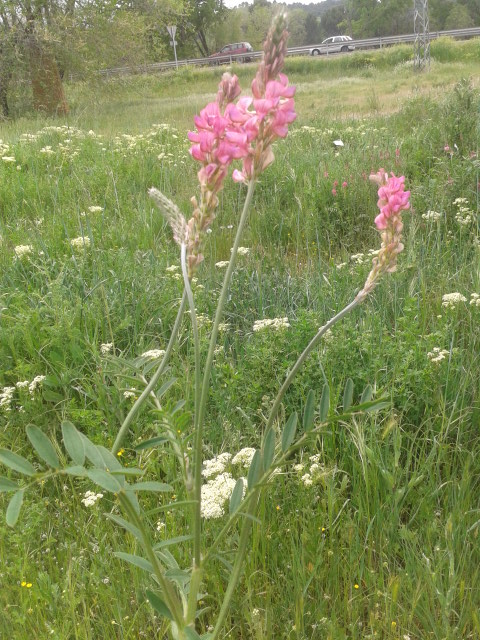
column 451, row 300
column 106, row 348
column 23, row 250
column 244, row 457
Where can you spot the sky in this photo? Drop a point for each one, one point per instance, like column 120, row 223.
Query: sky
column 235, row 3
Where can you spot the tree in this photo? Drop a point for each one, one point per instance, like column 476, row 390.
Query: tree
column 458, row 18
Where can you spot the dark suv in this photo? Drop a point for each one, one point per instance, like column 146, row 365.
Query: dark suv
column 238, row 52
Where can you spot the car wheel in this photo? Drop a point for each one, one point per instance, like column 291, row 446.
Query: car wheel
column 344, row 49
column 315, row 52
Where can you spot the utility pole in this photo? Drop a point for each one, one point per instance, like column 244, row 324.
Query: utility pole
column 422, row 34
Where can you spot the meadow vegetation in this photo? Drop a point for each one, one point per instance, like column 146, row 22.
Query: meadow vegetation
column 382, row 539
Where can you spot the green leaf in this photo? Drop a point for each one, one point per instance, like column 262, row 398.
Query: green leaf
column 325, row 402
column 255, row 469
column 191, row 634
column 7, row 485
column 13, row 509
column 137, row 561
column 367, row 394
column 172, row 541
column 104, row 480
column 111, row 462
column 126, row 525
column 289, row 431
column 76, row 470
column 165, row 387
column 159, row 605
column 178, row 575
column 236, row 497
column 42, row 446
column 348, row 394
column 72, row 439
column 309, row 411
column 147, row 444
column 127, row 471
column 268, row 448
column 16, row 462
column 150, row 486
column 93, row 454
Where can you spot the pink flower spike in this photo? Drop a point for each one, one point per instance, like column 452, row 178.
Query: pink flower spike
column 344, row 185
column 334, row 192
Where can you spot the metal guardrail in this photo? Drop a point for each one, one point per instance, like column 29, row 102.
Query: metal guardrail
column 368, row 43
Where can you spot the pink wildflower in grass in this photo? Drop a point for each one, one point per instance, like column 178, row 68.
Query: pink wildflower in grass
column 334, row 192
column 344, row 184
column 393, row 199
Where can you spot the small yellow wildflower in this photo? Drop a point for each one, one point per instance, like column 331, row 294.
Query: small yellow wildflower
column 120, row 452
column 394, row 625
column 355, row 586
column 278, row 507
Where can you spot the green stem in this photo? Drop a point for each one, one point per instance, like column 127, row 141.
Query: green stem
column 237, row 567
column 168, row 591
column 304, row 355
column 200, row 418
column 151, row 385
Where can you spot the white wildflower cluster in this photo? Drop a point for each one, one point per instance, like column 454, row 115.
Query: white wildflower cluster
column 80, row 243
column 223, row 327
column 223, row 264
column 95, row 209
column 7, row 393
column 244, row 457
column 6, row 397
column 4, row 148
column 243, row 251
column 474, row 300
column 8, row 159
column 153, row 354
column 215, row 494
column 90, row 498
column 216, row 465
column 451, row 300
column 47, row 151
column 35, row 383
column 23, row 250
column 173, row 268
column 314, row 473
column 437, row 355
column 106, row 348
column 464, row 215
column 129, row 393
column 160, row 526
column 273, row 323
column 432, row 216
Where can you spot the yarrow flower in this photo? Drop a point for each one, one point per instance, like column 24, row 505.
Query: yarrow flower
column 437, row 355
column 23, row 250
column 216, row 465
column 392, row 200
column 153, row 354
column 432, row 216
column 475, row 300
column 274, row 323
column 215, row 494
column 106, row 348
column 244, row 457
column 80, row 243
column 90, row 498
column 451, row 300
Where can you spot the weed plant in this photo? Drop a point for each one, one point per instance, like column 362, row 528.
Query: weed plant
column 384, row 544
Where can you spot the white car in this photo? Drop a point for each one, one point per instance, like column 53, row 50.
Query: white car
column 335, row 44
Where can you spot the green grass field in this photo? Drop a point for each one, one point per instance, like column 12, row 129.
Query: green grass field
column 385, row 542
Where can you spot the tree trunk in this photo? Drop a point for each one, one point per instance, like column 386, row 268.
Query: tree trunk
column 48, row 93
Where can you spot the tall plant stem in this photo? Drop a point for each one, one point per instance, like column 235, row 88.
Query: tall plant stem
column 168, row 591
column 304, row 355
column 200, row 416
column 151, row 385
column 237, row 566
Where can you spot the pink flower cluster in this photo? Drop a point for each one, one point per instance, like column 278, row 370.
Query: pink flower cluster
column 241, row 129
column 392, row 197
